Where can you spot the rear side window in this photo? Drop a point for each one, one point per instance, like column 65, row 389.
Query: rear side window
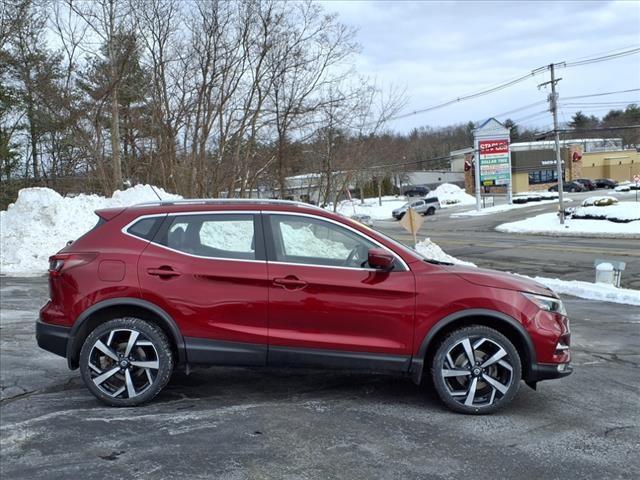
column 229, row 236
column 145, row 228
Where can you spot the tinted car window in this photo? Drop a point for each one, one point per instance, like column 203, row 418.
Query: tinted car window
column 229, row 236
column 317, row 242
column 145, row 228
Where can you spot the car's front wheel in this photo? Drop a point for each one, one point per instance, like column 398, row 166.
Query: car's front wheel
column 476, row 370
column 126, row 362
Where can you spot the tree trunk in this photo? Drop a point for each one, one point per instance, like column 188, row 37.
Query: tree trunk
column 115, row 141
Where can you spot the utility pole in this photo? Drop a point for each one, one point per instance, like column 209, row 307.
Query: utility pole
column 553, row 106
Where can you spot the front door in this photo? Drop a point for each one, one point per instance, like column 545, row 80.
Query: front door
column 208, row 271
column 326, row 306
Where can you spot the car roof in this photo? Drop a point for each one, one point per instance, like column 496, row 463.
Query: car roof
column 216, row 204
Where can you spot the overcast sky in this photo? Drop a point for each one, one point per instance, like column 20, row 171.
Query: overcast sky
column 441, row 50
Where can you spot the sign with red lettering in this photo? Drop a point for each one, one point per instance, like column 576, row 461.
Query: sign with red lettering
column 494, row 162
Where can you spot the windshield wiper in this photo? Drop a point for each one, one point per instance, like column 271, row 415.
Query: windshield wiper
column 436, row 262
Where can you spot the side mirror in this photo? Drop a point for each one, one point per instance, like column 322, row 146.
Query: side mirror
column 381, row 259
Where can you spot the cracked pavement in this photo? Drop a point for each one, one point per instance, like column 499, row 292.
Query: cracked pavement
column 236, row 423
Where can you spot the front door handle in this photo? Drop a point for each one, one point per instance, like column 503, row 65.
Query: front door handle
column 163, row 272
column 290, row 282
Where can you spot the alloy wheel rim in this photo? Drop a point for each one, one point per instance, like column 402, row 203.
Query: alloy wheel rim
column 477, row 372
column 123, row 363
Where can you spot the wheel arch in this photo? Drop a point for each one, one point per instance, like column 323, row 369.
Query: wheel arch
column 106, row 310
column 499, row 321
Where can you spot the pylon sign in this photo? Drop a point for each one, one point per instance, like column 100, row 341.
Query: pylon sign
column 494, row 162
column 493, row 154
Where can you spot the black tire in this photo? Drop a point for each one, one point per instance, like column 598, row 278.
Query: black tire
column 504, row 373
column 431, row 211
column 400, row 216
column 145, row 369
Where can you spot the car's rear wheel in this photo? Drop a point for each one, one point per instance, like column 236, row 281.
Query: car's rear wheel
column 126, row 362
column 476, row 370
column 431, row 211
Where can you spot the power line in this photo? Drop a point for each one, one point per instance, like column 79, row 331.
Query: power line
column 604, row 58
column 515, row 81
column 601, row 94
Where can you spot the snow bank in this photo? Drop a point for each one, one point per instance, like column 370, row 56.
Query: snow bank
column 370, row 207
column 450, row 195
column 41, row 221
column 617, row 212
column 591, row 291
column 549, row 224
column 503, row 208
column 432, row 251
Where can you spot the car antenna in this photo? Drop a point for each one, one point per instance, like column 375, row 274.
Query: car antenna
column 154, row 191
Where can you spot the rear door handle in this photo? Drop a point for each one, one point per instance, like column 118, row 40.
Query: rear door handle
column 290, row 282
column 163, row 271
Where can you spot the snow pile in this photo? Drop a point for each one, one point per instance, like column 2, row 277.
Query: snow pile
column 620, row 212
column 549, row 224
column 450, row 195
column 591, row 291
column 41, row 221
column 432, row 251
column 305, row 242
column 234, row 236
column 370, row 207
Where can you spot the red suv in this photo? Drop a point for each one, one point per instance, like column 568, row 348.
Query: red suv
column 216, row 282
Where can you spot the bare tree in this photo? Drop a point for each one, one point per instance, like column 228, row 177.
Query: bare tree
column 106, row 19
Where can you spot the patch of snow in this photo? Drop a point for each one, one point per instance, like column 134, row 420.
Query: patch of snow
column 591, row 291
column 549, row 224
column 623, row 211
column 450, row 195
column 503, row 208
column 622, row 188
column 370, row 207
column 432, row 251
column 41, row 221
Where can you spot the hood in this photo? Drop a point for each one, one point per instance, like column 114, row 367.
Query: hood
column 495, row 279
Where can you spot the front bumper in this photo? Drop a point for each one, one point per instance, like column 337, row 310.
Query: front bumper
column 53, row 338
column 545, row 371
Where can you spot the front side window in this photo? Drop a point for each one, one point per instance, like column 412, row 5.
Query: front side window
column 313, row 241
column 229, row 236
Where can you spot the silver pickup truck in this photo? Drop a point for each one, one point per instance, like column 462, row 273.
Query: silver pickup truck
column 424, row 206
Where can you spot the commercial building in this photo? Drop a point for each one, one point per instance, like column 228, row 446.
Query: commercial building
column 533, row 164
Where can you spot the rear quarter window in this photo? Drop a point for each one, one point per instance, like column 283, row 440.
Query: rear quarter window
column 145, row 228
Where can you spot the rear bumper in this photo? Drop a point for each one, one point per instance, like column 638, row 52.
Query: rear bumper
column 543, row 371
column 53, row 338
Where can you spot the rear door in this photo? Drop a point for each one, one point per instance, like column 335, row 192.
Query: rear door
column 208, row 271
column 326, row 306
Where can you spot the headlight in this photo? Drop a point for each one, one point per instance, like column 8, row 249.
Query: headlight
column 549, row 304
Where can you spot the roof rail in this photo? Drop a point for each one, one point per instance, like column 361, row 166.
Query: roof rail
column 227, row 201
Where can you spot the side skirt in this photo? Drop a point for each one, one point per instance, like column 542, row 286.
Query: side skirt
column 203, row 351
column 312, row 357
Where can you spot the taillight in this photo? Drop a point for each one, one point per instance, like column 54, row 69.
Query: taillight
column 61, row 262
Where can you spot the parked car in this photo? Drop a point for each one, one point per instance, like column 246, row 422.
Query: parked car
column 424, row 206
column 174, row 284
column 606, row 183
column 586, row 183
column 417, row 192
column 569, row 187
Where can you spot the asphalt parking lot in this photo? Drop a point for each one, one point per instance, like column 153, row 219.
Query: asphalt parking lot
column 266, row 423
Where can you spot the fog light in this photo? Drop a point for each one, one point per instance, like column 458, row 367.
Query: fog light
column 562, row 367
